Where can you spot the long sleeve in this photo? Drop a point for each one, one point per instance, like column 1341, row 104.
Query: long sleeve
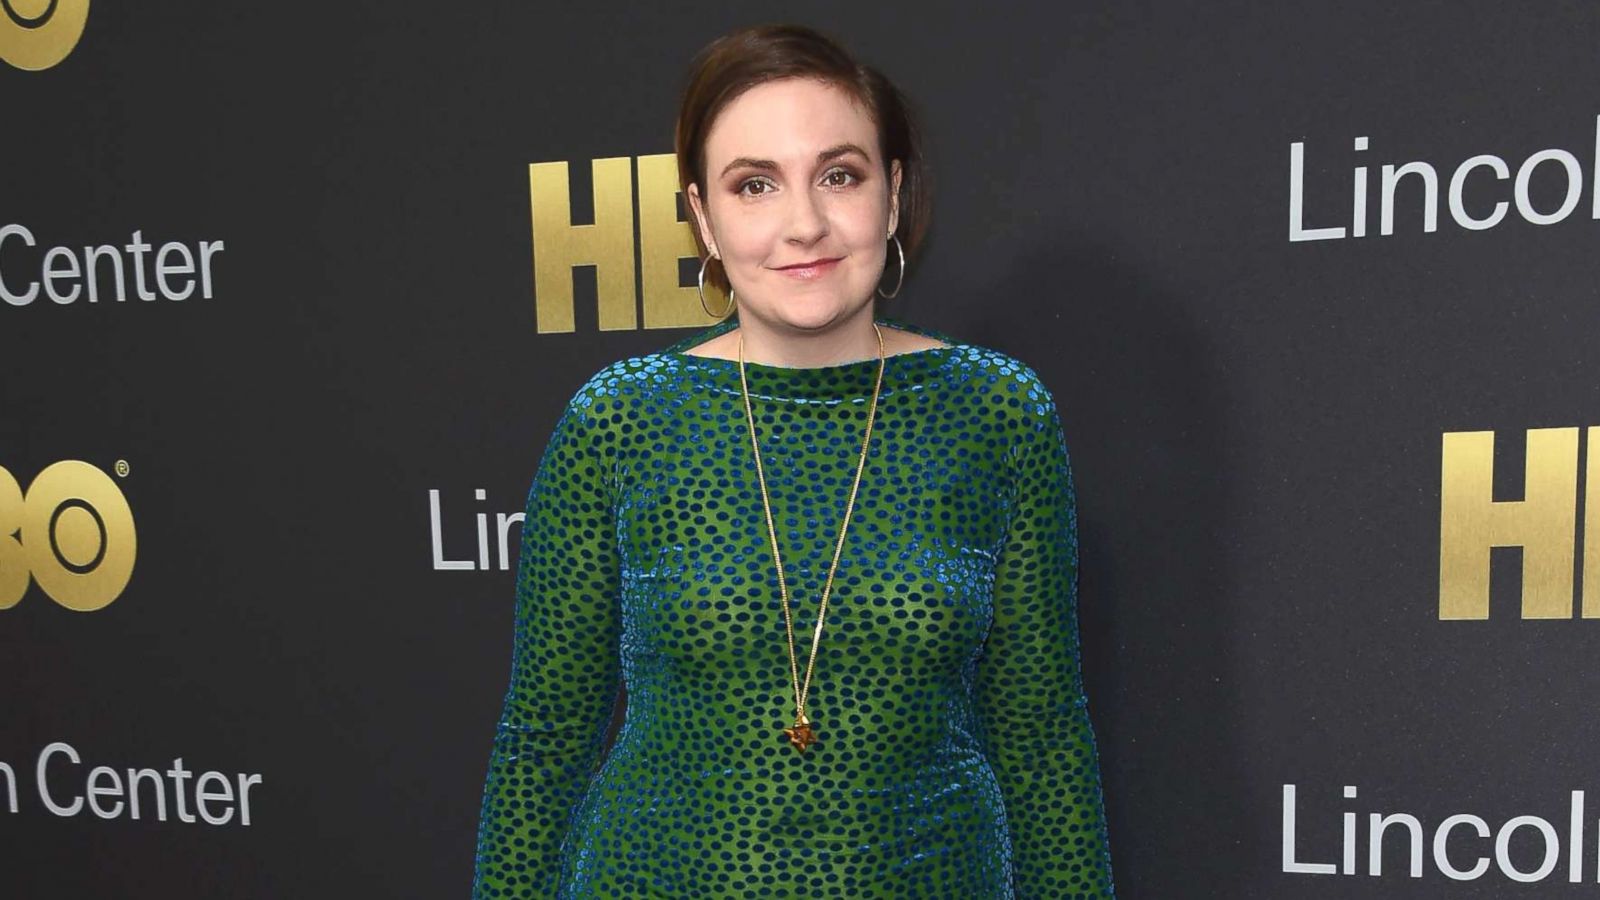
column 565, row 671
column 1032, row 708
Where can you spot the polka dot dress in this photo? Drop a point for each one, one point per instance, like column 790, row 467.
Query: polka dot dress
column 954, row 754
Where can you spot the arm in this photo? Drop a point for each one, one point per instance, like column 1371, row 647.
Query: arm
column 1029, row 692
column 565, row 671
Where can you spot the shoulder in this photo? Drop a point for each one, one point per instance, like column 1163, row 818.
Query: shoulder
column 617, row 385
column 1009, row 388
column 594, row 422
column 628, row 390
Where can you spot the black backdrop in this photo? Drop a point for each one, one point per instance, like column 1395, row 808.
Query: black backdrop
column 1256, row 421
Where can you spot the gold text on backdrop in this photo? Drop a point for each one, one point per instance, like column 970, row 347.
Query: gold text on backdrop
column 72, row 530
column 606, row 244
column 38, row 34
column 1543, row 523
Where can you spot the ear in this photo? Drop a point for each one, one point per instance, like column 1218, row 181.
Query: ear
column 894, row 196
column 701, row 221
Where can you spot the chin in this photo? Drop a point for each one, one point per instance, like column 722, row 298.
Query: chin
column 814, row 312
column 822, row 303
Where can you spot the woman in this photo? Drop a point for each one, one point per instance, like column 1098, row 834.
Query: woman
column 832, row 556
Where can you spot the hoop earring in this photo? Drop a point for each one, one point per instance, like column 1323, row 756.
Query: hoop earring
column 902, row 279
column 701, row 287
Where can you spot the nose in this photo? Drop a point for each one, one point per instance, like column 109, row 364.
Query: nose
column 808, row 221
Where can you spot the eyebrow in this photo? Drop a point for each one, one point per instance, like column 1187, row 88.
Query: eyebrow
column 830, row 153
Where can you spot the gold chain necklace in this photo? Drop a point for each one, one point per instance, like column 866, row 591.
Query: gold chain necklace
column 801, row 735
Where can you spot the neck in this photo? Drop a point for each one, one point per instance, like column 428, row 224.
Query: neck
column 779, row 344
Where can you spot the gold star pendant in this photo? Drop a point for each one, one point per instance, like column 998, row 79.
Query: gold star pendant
column 801, row 736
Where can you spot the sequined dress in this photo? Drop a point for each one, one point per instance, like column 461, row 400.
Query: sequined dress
column 955, row 756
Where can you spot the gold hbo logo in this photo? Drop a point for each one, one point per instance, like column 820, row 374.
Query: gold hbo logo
column 1544, row 524
column 606, row 244
column 72, row 531
column 37, row 34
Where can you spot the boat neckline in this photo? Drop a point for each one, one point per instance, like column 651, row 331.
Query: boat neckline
column 950, row 345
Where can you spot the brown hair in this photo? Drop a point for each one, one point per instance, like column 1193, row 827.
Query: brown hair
column 736, row 62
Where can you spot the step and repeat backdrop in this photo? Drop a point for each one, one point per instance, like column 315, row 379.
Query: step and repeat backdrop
column 291, row 298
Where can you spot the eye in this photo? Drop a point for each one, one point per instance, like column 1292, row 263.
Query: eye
column 762, row 183
column 840, row 178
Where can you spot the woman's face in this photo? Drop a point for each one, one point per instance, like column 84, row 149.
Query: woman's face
column 796, row 204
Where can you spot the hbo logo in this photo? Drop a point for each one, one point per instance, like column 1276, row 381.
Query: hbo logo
column 73, row 531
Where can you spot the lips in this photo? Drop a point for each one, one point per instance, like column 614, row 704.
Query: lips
column 808, row 270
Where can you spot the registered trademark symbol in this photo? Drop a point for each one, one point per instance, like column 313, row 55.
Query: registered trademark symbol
column 122, row 468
